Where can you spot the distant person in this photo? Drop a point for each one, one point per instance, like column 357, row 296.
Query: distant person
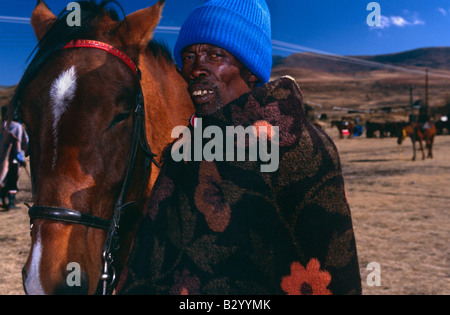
column 226, row 227
column 14, row 141
column 424, row 119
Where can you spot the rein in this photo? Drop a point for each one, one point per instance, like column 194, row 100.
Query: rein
column 139, row 140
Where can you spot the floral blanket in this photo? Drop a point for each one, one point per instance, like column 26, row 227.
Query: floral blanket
column 225, row 227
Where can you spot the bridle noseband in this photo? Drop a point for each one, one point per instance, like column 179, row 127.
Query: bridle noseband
column 139, row 140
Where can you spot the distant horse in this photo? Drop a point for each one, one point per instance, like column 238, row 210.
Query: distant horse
column 418, row 134
column 344, row 127
column 92, row 140
column 386, row 129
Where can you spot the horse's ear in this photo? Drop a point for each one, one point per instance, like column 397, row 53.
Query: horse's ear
column 138, row 27
column 42, row 19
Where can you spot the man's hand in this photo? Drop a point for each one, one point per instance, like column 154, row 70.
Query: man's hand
column 20, row 157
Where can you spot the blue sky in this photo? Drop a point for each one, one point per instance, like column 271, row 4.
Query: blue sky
column 329, row 26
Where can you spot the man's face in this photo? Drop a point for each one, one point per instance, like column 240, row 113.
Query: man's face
column 214, row 76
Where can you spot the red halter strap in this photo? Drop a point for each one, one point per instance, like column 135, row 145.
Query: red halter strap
column 83, row 43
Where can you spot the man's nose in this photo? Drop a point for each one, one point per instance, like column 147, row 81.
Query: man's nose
column 199, row 68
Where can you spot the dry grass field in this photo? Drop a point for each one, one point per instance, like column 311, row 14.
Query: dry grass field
column 400, row 213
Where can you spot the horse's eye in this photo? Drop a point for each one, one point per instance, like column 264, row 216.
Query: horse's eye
column 119, row 118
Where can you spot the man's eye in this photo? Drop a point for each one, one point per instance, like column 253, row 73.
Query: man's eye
column 186, row 57
column 216, row 55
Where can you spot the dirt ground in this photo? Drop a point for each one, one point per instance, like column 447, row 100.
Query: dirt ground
column 400, row 214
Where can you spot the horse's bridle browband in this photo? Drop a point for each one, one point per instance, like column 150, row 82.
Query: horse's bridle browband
column 83, row 43
column 139, row 139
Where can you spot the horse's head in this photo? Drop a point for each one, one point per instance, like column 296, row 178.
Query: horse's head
column 78, row 105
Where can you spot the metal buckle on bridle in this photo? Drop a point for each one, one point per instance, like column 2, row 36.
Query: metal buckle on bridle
column 108, row 276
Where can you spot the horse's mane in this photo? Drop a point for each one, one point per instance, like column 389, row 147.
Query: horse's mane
column 160, row 49
column 60, row 34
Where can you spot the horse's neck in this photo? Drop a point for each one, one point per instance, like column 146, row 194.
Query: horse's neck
column 167, row 102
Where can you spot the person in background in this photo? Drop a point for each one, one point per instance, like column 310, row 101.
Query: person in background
column 226, row 227
column 13, row 144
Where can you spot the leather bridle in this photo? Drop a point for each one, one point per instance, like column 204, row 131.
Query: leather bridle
column 139, row 140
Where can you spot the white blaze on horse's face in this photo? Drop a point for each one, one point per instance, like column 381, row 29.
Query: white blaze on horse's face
column 33, row 284
column 62, row 93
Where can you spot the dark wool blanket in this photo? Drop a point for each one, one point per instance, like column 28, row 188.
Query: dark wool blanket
column 225, row 227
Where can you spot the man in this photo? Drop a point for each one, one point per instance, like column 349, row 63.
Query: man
column 224, row 226
column 424, row 119
column 14, row 140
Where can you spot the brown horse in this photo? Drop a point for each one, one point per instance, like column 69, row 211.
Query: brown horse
column 82, row 104
column 345, row 127
column 418, row 134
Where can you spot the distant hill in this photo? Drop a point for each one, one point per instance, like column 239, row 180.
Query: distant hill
column 332, row 84
column 433, row 58
column 6, row 94
column 369, row 82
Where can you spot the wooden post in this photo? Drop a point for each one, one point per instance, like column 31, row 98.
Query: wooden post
column 426, row 93
column 411, row 98
column 413, row 121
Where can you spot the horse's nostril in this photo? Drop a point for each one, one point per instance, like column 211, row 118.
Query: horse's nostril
column 24, row 279
column 24, row 275
column 80, row 287
column 64, row 289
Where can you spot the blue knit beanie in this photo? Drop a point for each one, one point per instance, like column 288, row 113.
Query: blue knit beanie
column 241, row 27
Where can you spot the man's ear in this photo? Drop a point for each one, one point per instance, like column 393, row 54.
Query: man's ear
column 252, row 80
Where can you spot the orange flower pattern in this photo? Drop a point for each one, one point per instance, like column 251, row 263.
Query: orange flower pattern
column 270, row 114
column 309, row 281
column 185, row 284
column 263, row 127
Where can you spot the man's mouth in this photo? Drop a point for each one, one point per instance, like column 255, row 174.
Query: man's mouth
column 201, row 95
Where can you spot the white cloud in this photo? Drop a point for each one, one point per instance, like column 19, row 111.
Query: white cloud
column 443, row 11
column 399, row 21
column 417, row 21
column 385, row 22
